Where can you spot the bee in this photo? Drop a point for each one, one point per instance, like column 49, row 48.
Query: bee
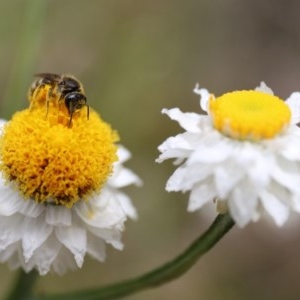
column 64, row 88
column 42, row 88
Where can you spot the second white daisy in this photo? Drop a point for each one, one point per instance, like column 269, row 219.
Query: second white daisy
column 245, row 154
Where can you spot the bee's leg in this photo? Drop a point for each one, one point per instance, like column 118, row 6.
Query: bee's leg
column 60, row 101
column 33, row 95
column 47, row 107
column 31, row 99
column 48, row 99
column 70, row 120
column 88, row 112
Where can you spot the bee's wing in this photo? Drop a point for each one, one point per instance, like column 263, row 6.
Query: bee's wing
column 49, row 77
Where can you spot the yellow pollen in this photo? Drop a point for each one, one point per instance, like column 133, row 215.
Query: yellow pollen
column 52, row 163
column 249, row 115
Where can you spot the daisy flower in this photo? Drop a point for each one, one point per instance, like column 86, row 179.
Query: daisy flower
column 60, row 196
column 244, row 154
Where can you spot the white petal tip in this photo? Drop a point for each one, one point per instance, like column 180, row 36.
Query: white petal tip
column 79, row 260
column 264, row 88
column 204, row 96
column 294, row 104
column 27, row 255
column 118, row 245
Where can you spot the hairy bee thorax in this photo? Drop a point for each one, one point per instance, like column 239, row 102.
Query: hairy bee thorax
column 62, row 97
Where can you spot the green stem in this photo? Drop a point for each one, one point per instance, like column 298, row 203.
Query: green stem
column 159, row 276
column 26, row 55
column 23, row 286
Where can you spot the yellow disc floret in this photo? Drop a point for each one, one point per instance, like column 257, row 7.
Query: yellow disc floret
column 250, row 115
column 52, row 163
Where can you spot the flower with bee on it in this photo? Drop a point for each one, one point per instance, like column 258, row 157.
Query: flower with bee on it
column 60, row 188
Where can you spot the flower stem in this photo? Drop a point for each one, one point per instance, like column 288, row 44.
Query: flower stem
column 160, row 275
column 23, row 286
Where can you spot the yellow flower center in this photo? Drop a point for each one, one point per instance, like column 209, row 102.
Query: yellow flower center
column 250, row 115
column 51, row 162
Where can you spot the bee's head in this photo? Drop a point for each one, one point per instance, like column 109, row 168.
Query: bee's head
column 75, row 101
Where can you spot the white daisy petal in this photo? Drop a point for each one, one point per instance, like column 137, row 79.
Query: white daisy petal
column 127, row 206
column 264, row 88
column 288, row 177
column 200, row 195
column 96, row 247
column 35, row 232
column 177, row 147
column 46, row 254
column 123, row 155
column 123, row 178
column 74, row 238
column 63, row 262
column 11, row 202
column 294, row 103
column 58, row 216
column 9, row 252
column 184, row 178
column 290, row 146
column 176, row 181
column 110, row 236
column 204, row 96
column 31, row 208
column 242, row 203
column 295, row 200
column 226, row 178
column 276, row 208
column 188, row 121
column 210, row 149
column 99, row 213
column 2, row 123
column 251, row 165
column 10, row 230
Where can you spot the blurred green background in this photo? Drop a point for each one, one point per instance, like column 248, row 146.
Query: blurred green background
column 134, row 58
